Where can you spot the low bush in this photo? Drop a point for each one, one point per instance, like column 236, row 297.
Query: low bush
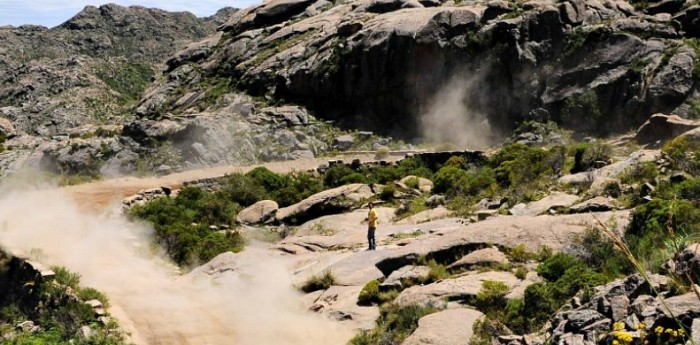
column 181, row 225
column 62, row 320
column 683, row 154
column 322, row 282
column 587, row 154
column 333, row 177
column 554, row 267
column 476, row 182
column 656, row 227
column 492, row 297
column 369, row 294
column 394, row 325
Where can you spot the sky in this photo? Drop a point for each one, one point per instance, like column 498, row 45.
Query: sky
column 50, row 13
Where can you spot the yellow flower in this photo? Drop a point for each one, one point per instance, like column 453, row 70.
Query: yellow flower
column 658, row 330
column 618, row 326
column 615, row 342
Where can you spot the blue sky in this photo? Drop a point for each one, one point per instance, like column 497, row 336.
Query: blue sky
column 54, row 12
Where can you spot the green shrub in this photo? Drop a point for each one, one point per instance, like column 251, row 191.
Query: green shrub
column 65, row 277
column 554, row 267
column 127, row 78
column 457, row 162
column 61, row 318
column 333, row 177
column 519, row 253
column 266, row 178
column 454, row 181
column 382, row 153
column 369, row 294
column 297, row 186
column 689, row 189
column 587, row 154
column 89, row 293
column 598, row 252
column 520, row 273
column 321, row 282
column 178, row 227
column 583, row 110
column 524, row 170
column 388, row 192
column 640, row 173
column 353, row 178
column 491, row 297
column 242, row 189
column 683, row 154
column 654, row 227
column 394, row 324
column 412, row 183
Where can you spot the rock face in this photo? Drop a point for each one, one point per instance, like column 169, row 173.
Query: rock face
column 441, row 328
column 79, row 78
column 377, row 63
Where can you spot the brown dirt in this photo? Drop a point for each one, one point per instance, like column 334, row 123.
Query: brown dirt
column 98, row 196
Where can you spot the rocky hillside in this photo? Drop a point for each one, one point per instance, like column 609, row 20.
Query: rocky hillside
column 597, row 66
column 82, row 77
column 254, row 85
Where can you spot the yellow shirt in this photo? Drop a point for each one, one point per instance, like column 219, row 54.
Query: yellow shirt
column 372, row 218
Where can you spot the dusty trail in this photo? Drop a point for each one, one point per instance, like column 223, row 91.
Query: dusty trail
column 76, row 228
column 101, row 194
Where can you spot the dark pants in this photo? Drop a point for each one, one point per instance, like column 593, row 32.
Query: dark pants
column 370, row 237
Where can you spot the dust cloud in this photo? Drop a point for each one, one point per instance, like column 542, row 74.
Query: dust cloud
column 247, row 299
column 452, row 116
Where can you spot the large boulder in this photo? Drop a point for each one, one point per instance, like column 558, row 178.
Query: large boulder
column 260, row 212
column 486, row 256
column 330, row 201
column 552, row 201
column 456, row 289
column 660, row 128
column 447, row 327
column 597, row 204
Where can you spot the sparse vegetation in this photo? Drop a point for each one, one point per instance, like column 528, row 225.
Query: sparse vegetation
column 394, row 325
column 322, row 282
column 129, row 79
column 62, row 322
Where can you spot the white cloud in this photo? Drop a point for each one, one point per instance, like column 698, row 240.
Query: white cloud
column 54, row 12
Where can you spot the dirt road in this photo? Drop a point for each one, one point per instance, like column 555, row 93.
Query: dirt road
column 98, row 196
column 152, row 303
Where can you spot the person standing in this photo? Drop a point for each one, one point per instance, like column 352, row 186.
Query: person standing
column 372, row 218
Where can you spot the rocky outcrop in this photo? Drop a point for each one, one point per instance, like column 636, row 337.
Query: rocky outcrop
column 454, row 289
column 441, row 328
column 550, row 202
column 661, row 128
column 485, row 257
column 376, row 64
column 260, row 212
column 327, row 202
column 450, row 236
column 630, row 301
